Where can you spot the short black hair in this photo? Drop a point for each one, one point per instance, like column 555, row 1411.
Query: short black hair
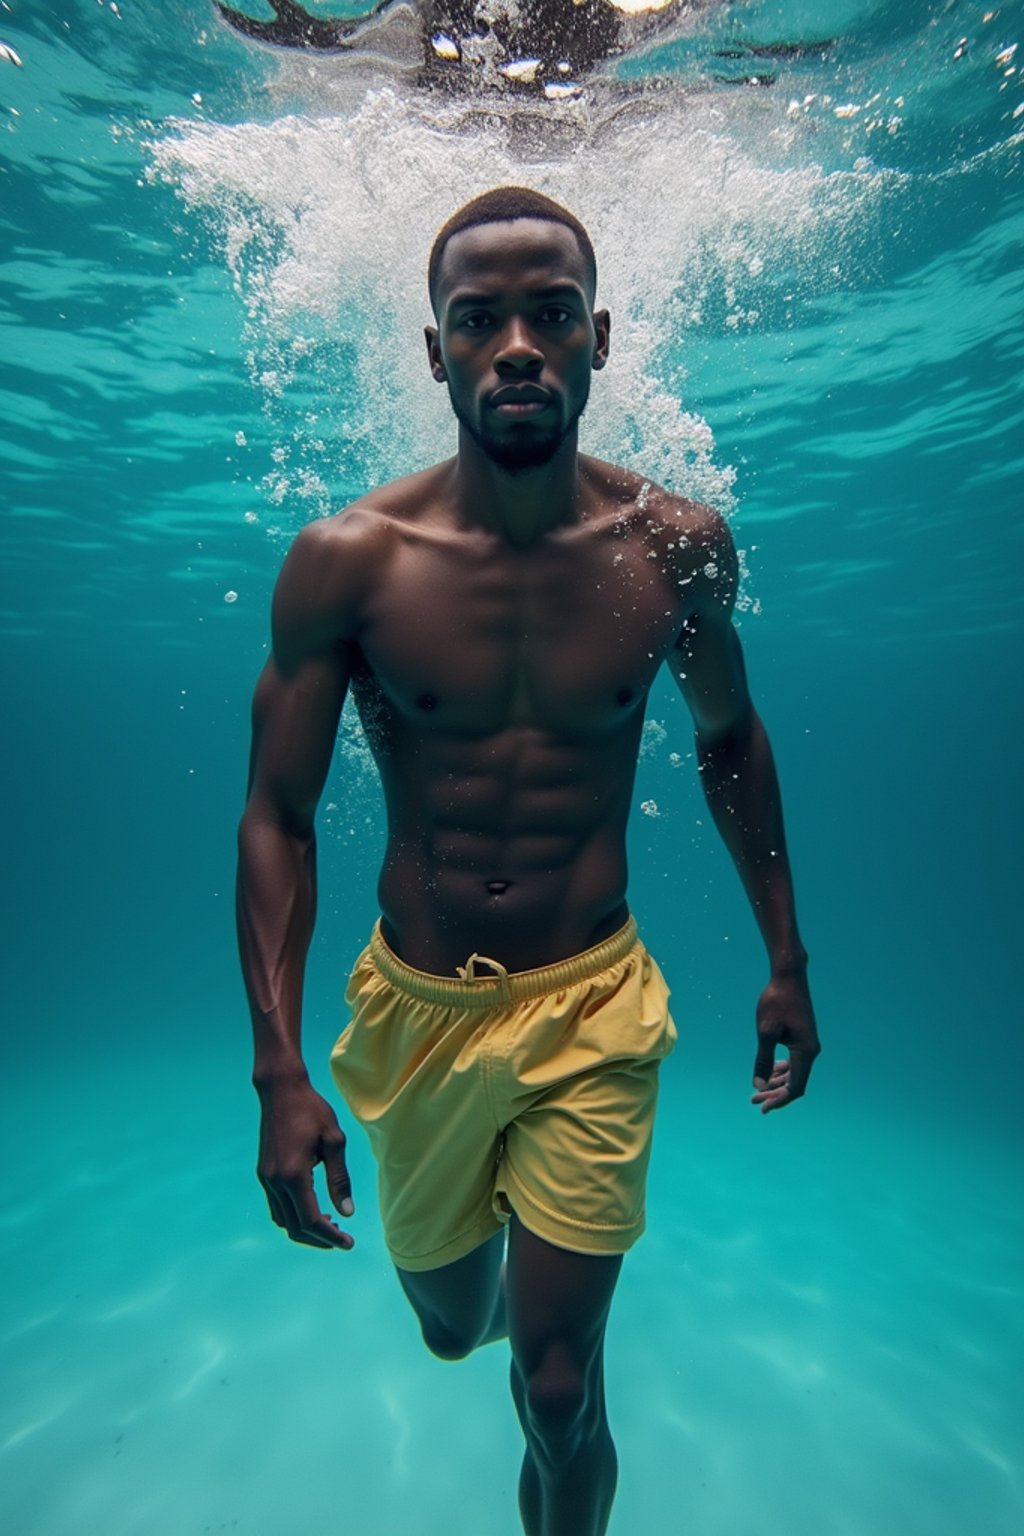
column 498, row 206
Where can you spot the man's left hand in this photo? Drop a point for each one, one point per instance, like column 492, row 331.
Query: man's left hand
column 785, row 1017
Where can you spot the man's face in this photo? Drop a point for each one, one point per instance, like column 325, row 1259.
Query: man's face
column 516, row 340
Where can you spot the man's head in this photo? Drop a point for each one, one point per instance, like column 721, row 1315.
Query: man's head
column 512, row 278
column 501, row 206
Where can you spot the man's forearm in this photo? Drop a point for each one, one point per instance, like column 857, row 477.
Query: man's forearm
column 276, row 909
column 742, row 792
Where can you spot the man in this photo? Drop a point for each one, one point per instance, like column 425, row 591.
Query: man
column 501, row 618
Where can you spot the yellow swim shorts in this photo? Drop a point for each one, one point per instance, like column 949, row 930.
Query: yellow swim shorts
column 483, row 1094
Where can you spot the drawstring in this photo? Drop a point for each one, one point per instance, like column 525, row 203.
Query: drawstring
column 471, row 988
column 467, row 972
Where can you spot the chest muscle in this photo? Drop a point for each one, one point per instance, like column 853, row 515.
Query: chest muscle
column 563, row 642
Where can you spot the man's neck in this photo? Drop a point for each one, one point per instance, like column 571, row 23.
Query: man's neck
column 520, row 506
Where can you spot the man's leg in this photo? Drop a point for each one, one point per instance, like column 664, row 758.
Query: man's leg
column 460, row 1305
column 558, row 1304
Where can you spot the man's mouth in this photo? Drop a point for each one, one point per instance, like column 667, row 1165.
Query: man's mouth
column 520, row 400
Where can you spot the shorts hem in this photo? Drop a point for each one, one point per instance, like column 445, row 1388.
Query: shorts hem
column 456, row 1247
column 596, row 1238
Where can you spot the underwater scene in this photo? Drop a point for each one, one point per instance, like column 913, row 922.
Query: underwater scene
column 808, row 222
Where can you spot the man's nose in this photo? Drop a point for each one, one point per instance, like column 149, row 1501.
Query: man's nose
column 518, row 351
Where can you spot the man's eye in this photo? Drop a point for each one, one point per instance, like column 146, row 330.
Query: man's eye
column 556, row 314
column 475, row 320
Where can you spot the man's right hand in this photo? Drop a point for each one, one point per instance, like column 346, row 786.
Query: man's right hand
column 299, row 1129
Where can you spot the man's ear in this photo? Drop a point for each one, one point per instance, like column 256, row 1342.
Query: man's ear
column 603, row 327
column 434, row 353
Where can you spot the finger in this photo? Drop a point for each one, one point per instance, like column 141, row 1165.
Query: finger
column 293, row 1223
column 339, row 1185
column 801, row 1063
column 286, row 1212
column 777, row 1082
column 764, row 1062
column 314, row 1226
column 274, row 1203
column 777, row 1095
column 785, row 1087
column 771, row 1101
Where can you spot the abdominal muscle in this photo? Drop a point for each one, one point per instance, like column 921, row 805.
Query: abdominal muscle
column 516, row 855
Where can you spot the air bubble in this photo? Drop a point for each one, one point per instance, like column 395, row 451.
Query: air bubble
column 652, row 737
column 324, row 222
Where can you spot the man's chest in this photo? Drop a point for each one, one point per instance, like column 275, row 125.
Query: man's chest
column 565, row 639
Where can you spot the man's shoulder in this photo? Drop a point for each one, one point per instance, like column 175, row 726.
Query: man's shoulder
column 374, row 520
column 362, row 534
column 336, row 562
column 643, row 505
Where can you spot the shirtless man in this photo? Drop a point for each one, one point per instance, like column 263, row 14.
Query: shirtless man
column 501, row 618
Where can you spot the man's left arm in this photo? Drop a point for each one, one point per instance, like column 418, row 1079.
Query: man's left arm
column 742, row 791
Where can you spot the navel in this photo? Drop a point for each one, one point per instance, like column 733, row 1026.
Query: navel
column 497, row 887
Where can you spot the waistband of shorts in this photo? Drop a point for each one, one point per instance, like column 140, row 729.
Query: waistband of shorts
column 497, row 986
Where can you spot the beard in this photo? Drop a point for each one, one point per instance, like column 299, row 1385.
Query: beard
column 522, row 450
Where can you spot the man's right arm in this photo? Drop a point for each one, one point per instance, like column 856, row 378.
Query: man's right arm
column 296, row 709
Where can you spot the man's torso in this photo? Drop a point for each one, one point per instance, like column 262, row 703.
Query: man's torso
column 502, row 690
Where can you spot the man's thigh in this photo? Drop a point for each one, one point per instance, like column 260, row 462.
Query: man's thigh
column 456, row 1302
column 558, row 1303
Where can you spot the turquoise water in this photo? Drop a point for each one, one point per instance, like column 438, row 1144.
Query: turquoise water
column 211, row 287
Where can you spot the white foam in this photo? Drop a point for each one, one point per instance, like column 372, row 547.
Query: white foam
column 326, row 222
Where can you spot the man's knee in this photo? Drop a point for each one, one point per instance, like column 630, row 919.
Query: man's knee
column 456, row 1305
column 446, row 1343
column 560, row 1408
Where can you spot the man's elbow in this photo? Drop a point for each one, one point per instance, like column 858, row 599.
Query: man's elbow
column 267, row 815
column 723, row 731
